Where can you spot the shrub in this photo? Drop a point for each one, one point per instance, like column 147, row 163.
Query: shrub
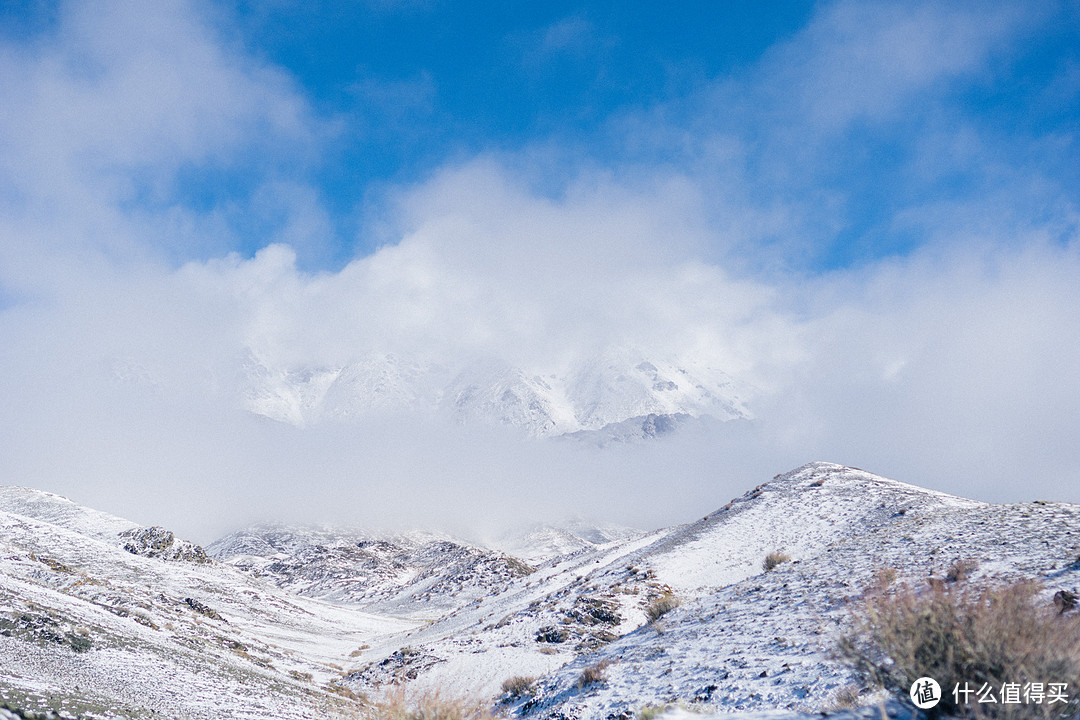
column 518, row 568
column 518, row 686
column 773, row 559
column 961, row 569
column 649, row 712
column 428, row 706
column 661, row 606
column 593, row 674
column 846, row 698
column 959, row 634
column 884, row 576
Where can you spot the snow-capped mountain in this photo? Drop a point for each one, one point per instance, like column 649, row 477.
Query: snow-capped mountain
column 587, row 395
column 92, row 626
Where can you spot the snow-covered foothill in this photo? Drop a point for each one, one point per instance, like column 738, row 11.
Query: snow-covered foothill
column 288, row 622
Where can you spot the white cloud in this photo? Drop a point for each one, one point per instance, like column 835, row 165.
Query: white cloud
column 874, row 61
column 949, row 369
column 104, row 116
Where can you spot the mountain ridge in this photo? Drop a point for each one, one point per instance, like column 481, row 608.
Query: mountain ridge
column 585, row 396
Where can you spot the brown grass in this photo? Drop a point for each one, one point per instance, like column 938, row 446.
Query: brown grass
column 957, row 634
column 846, row 698
column 399, row 705
column 884, row 577
column 661, row 606
column 650, row 712
column 960, row 569
column 594, row 674
column 518, row 686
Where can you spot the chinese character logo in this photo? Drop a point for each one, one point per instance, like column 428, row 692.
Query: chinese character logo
column 925, row 693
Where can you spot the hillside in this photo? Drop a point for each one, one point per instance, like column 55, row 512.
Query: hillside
column 91, row 627
column 299, row 618
column 418, row 575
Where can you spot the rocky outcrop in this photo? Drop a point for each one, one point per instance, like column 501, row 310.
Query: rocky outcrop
column 160, row 543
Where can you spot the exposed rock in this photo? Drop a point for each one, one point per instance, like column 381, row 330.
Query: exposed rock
column 412, row 573
column 160, row 543
column 400, row 666
column 552, row 634
column 203, row 609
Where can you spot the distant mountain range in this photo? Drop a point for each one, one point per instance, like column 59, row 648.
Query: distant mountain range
column 102, row 618
column 644, row 396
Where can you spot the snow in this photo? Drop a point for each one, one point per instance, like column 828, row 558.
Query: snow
column 297, row 612
column 539, row 543
column 586, row 395
column 61, row 512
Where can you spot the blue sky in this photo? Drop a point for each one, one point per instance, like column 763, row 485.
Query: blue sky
column 868, row 211
column 427, row 82
column 418, row 85
column 404, row 88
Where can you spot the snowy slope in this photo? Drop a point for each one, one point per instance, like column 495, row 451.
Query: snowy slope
column 252, row 641
column 747, row 639
column 61, row 512
column 419, row 575
column 539, row 543
column 743, row 639
column 93, row 627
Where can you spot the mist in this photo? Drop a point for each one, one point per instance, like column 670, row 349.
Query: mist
column 947, row 370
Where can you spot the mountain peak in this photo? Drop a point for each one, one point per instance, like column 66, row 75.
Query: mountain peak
column 585, row 395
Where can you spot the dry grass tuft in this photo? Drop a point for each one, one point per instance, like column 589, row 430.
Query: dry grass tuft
column 649, row 712
column 398, row 705
column 661, row 606
column 960, row 569
column 773, row 559
column 518, row 686
column 958, row 634
column 846, row 698
column 594, row 674
column 342, row 691
column 884, row 577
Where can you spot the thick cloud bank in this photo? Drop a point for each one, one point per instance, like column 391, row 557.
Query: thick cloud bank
column 950, row 369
